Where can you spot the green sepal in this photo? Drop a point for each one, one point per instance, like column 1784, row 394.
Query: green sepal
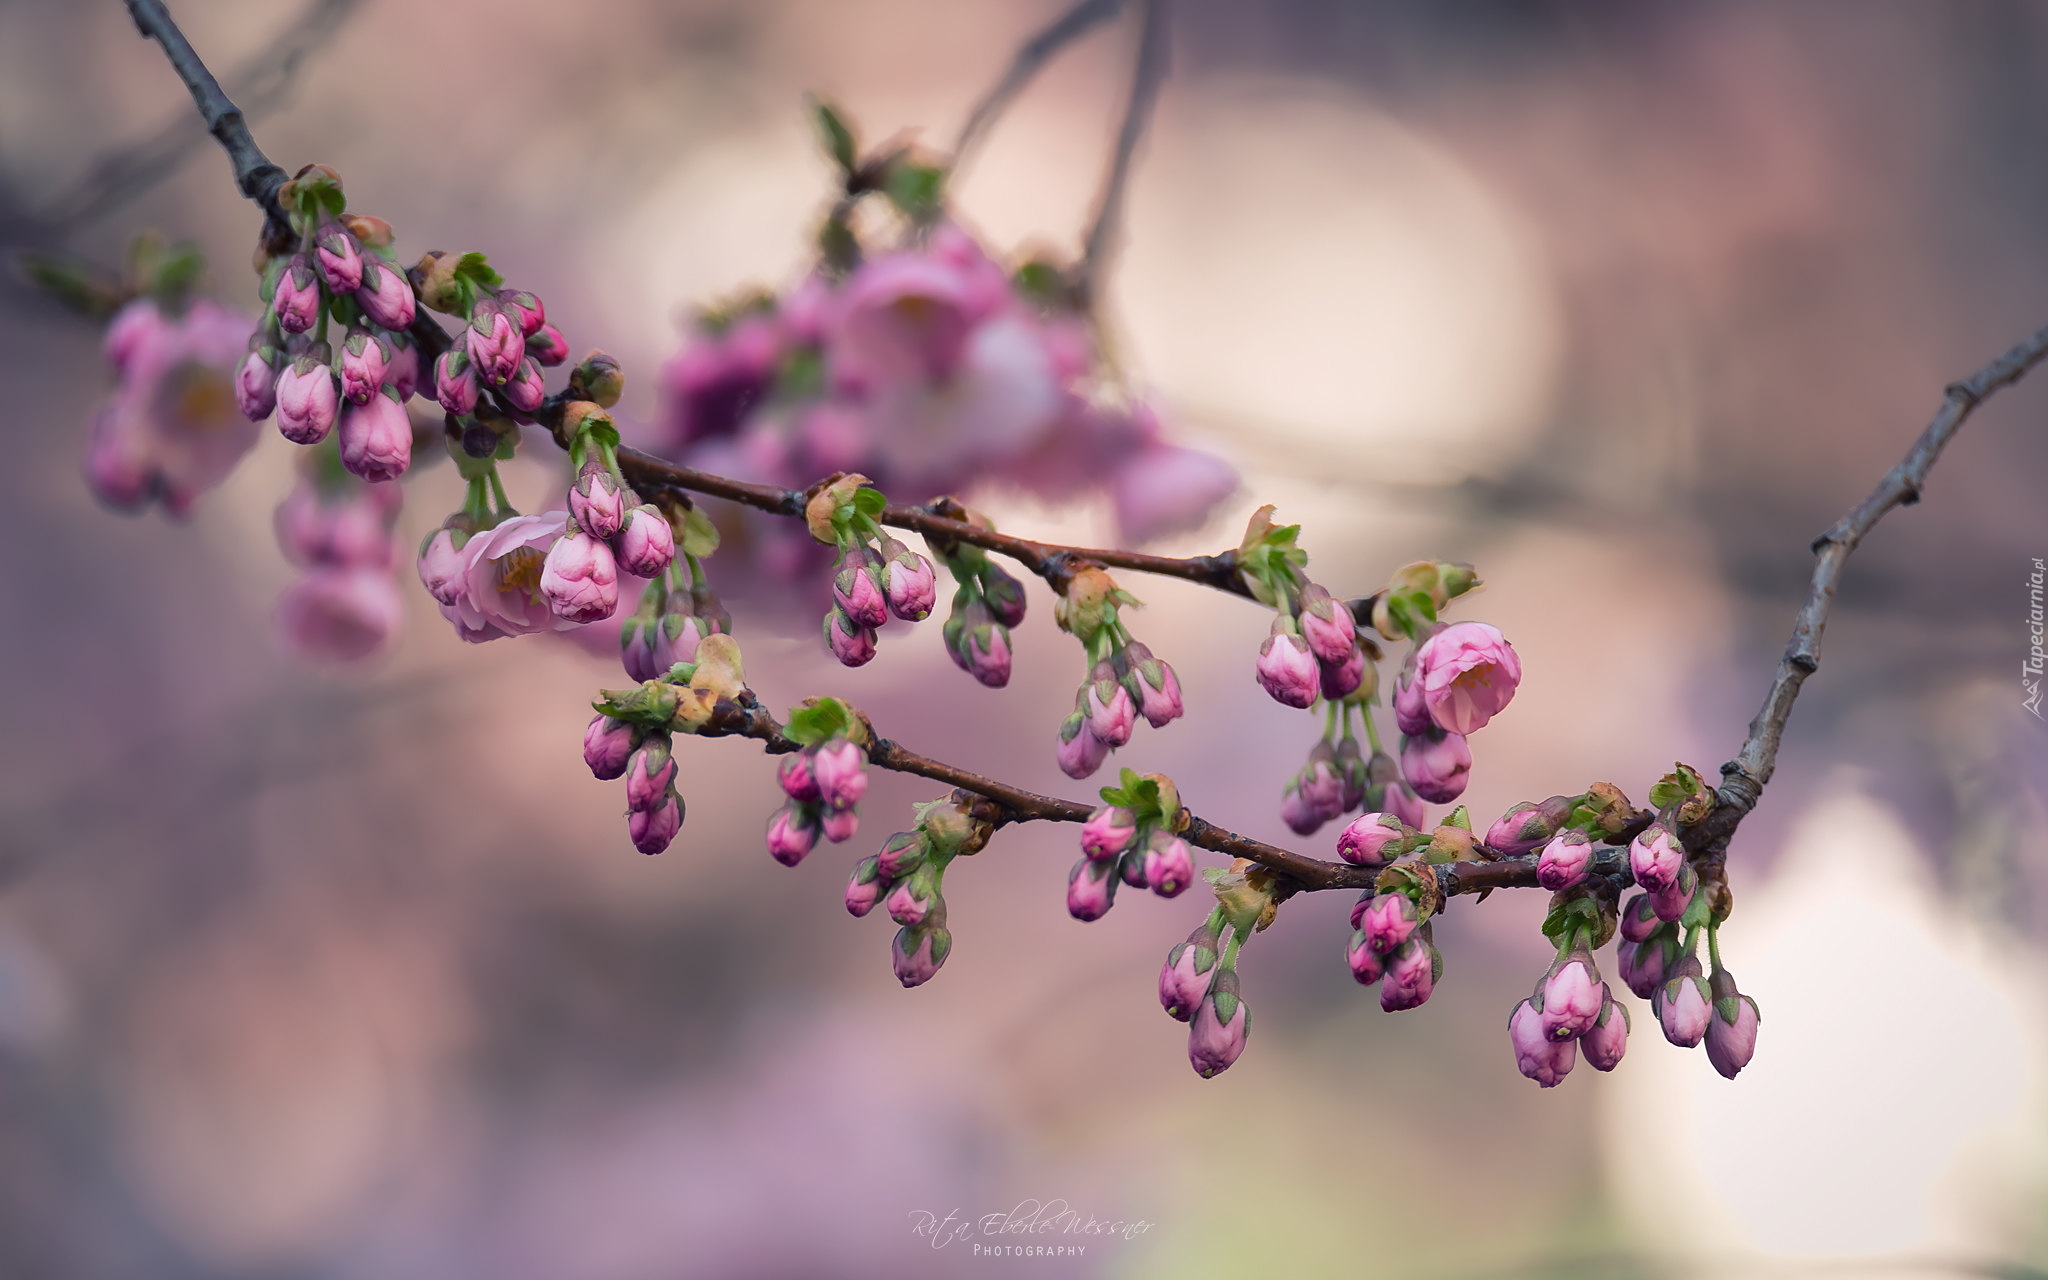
column 1226, row 1006
column 1460, row 817
column 1567, row 919
column 1729, row 1008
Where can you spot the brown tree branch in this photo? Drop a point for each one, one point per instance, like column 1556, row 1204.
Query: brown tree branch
column 1743, row 778
column 255, row 176
column 1030, row 59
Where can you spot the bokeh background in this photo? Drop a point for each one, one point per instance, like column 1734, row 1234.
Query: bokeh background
column 308, row 973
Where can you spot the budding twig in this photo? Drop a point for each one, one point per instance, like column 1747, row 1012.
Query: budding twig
column 255, row 176
column 1743, row 778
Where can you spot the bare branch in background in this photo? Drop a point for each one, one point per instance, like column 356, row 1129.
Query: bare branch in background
column 1744, row 777
column 1155, row 48
column 1040, row 49
column 262, row 83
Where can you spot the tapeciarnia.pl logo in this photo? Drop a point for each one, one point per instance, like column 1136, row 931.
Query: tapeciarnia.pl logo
column 2030, row 670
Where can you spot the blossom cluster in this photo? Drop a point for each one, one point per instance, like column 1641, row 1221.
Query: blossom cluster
column 824, row 780
column 1125, row 681
column 1132, row 839
column 337, row 531
column 907, row 879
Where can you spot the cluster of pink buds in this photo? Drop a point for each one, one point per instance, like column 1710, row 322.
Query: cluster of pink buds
column 1392, row 940
column 343, row 273
column 1132, row 839
column 908, row 877
column 633, row 736
column 824, row 779
column 608, row 531
column 987, row 603
column 1198, row 984
column 876, row 577
column 1455, row 681
column 337, row 531
column 1125, row 681
column 1571, row 1008
column 489, row 379
column 677, row 610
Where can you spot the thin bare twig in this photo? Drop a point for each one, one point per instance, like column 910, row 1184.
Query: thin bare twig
column 1040, row 49
column 255, row 176
column 1155, row 43
column 262, row 83
column 1743, row 778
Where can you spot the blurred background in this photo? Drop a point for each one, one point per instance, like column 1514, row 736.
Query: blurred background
column 307, row 973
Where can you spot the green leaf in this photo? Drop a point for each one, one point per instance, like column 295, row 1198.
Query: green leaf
column 836, row 135
column 700, row 536
column 820, row 720
column 870, row 502
column 474, row 269
column 916, row 189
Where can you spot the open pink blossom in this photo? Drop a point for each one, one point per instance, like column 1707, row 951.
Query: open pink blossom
column 1467, row 673
column 340, row 614
column 1165, row 489
column 499, row 594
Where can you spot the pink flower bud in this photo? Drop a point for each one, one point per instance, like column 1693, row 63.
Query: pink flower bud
column 526, row 389
column 256, row 385
column 1402, row 802
column 1080, row 751
column 853, row 645
column 790, row 836
column 979, row 645
column 547, row 348
column 1655, row 858
column 1287, row 670
column 1222, row 1024
column 442, row 566
column 911, row 586
column 607, row 744
column 1468, row 673
column 1608, row 1039
column 1153, row 685
column 1646, row 964
column 1669, row 903
column 385, row 295
column 297, row 300
column 1565, row 861
column 795, row 776
column 841, row 769
column 1108, row 832
column 910, row 901
column 639, row 638
column 1365, row 843
column 1638, row 918
column 1367, row 966
column 402, row 375
column 1389, row 922
column 1169, row 864
column 902, row 854
column 646, row 543
column 676, row 638
column 597, row 503
column 339, row 260
column 1091, row 888
column 579, row 578
column 308, row 401
column 1184, row 979
column 1342, row 679
column 364, row 358
column 839, row 825
column 650, row 771
column 1528, row 826
column 1572, row 997
column 1410, row 977
column 455, row 382
column 1684, row 1006
column 525, row 309
column 376, row 438
column 1107, row 704
column 1436, row 766
column 1005, row 596
column 1327, row 626
column 857, row 592
column 917, row 954
column 652, row 830
column 865, row 888
column 1538, row 1057
column 1731, row 1042
column 1411, row 713
column 494, row 344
